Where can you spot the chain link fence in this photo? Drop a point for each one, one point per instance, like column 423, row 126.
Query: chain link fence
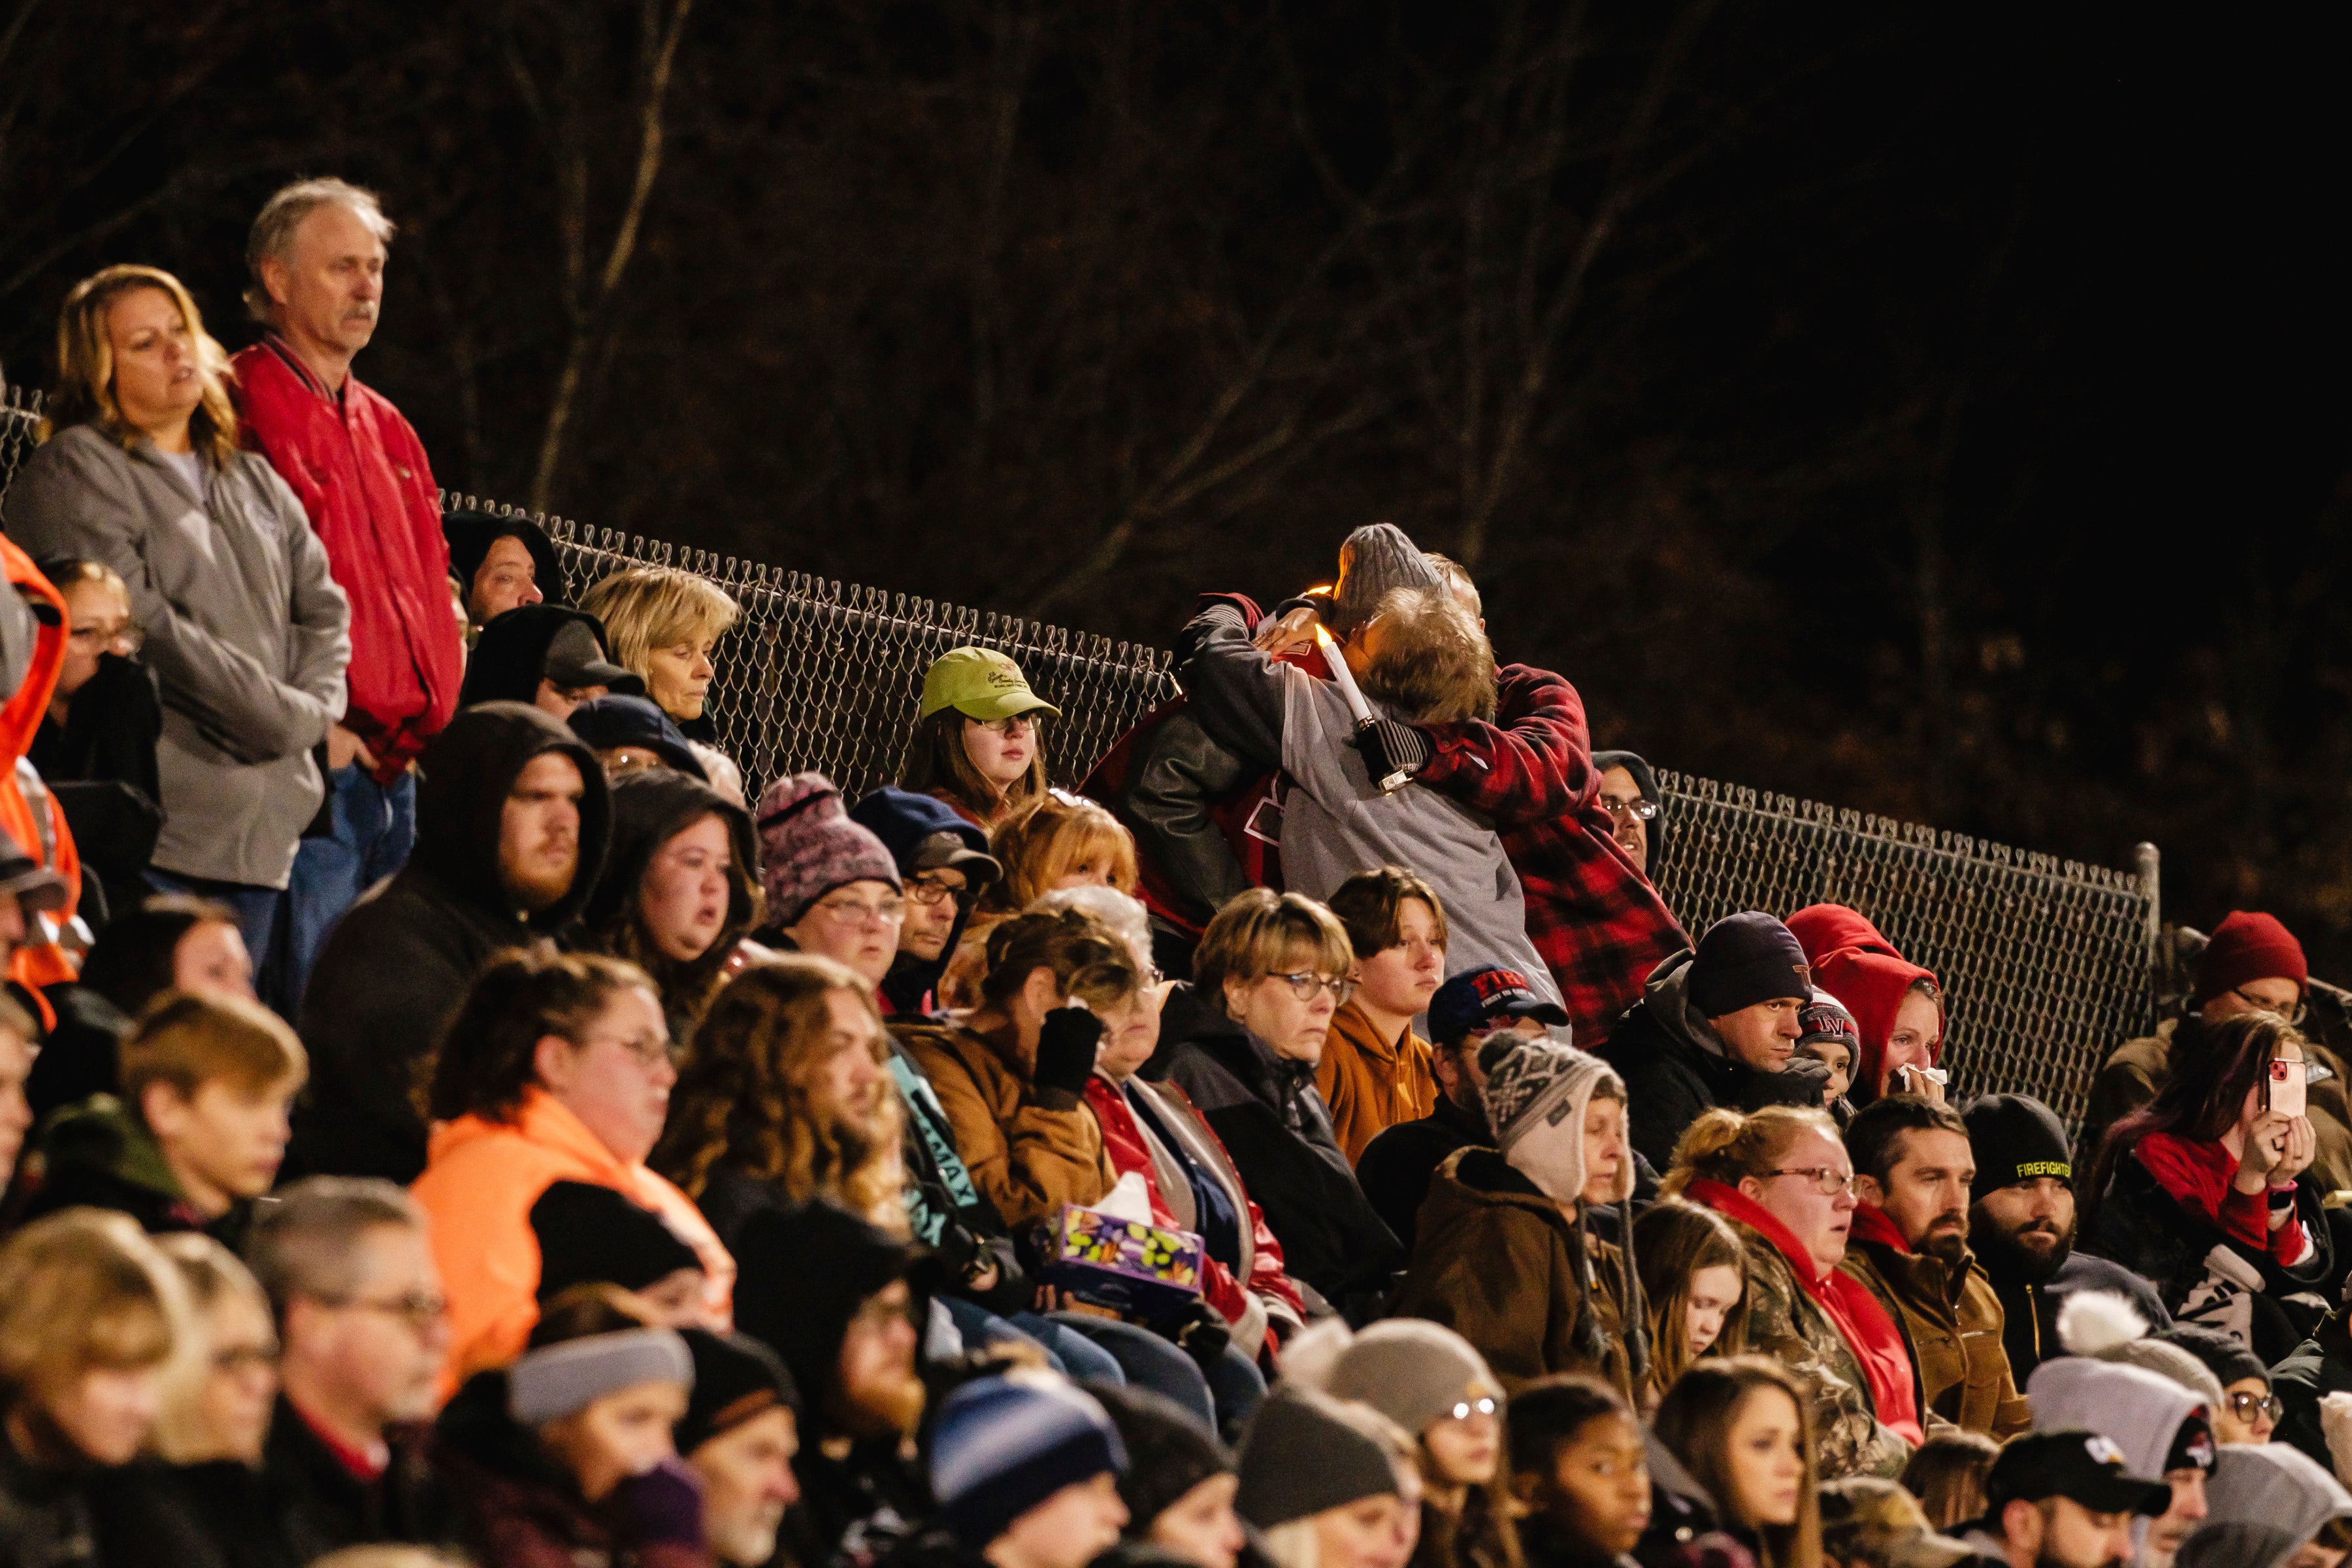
column 2045, row 963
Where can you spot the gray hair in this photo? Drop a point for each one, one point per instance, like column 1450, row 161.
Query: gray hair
column 282, row 213
column 1127, row 919
column 305, row 1240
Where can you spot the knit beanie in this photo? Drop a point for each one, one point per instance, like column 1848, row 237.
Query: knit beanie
column 2102, row 1325
column 2157, row 1424
column 1412, row 1371
column 735, row 1378
column 1302, row 1455
column 809, row 847
column 2245, row 947
column 1374, row 560
column 1169, row 1451
column 2263, row 1502
column 800, row 1311
column 1003, row 1445
column 1826, row 1020
column 591, row 1235
column 1745, row 959
column 1536, row 1089
column 2224, row 1355
column 2015, row 1138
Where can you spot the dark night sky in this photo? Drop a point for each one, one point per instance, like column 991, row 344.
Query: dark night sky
column 2027, row 324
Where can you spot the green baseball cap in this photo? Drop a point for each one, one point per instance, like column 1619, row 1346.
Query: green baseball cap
column 979, row 683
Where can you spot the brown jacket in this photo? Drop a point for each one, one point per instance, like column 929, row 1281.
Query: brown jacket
column 1954, row 1322
column 1029, row 1150
column 1495, row 1261
column 2129, row 1079
column 1371, row 1084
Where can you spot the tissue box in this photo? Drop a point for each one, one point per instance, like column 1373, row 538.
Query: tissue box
column 1142, row 1270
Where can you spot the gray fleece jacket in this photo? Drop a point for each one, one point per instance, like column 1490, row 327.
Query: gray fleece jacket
column 1335, row 824
column 246, row 631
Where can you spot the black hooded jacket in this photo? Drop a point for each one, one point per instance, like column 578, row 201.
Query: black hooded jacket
column 1645, row 779
column 510, row 659
column 1266, row 1112
column 397, row 966
column 649, row 808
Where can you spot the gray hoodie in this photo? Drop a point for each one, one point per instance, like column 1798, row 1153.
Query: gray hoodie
column 246, row 633
column 2265, row 1502
column 2139, row 1411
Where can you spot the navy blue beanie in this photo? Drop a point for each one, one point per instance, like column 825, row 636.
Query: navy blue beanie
column 1003, row 1445
column 1745, row 959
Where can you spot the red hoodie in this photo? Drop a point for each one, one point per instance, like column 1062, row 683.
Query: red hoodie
column 1861, row 1321
column 1861, row 968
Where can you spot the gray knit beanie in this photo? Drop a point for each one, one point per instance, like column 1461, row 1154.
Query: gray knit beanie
column 1302, row 1456
column 1412, row 1371
column 2103, row 1326
column 809, row 847
column 1536, row 1091
column 1375, row 559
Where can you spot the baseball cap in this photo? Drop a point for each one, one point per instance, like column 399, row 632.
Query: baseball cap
column 1865, row 1516
column 1470, row 999
column 608, row 724
column 979, row 683
column 947, row 851
column 2081, row 1465
column 575, row 659
column 36, row 886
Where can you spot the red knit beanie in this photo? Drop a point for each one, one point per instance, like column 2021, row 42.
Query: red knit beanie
column 2245, row 947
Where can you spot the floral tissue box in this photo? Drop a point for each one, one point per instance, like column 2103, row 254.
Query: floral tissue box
column 1141, row 1270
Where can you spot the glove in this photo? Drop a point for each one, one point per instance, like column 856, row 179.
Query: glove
column 1390, row 749
column 1201, row 1332
column 1066, row 1050
column 663, row 1505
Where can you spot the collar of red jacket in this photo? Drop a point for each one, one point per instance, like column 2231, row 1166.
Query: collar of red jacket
column 1870, row 1225
column 1732, row 1204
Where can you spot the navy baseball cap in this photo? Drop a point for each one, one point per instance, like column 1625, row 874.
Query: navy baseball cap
column 1471, row 999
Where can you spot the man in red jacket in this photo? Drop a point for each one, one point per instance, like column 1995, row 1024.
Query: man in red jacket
column 316, row 257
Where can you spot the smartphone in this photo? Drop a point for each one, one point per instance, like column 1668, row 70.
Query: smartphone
column 2288, row 1093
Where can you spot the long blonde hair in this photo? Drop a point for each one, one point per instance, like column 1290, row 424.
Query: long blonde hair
column 742, row 1098
column 85, row 394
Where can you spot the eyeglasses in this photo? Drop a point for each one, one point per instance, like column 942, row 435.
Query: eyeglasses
column 857, row 912
column 1636, row 809
column 1012, row 724
column 1465, row 1408
column 421, row 1309
column 931, row 893
column 234, row 1359
column 650, row 1051
column 1304, row 985
column 1829, row 1182
column 2246, row 1406
column 2262, row 1005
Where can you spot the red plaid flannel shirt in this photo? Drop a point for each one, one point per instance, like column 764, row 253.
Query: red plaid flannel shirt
column 1599, row 925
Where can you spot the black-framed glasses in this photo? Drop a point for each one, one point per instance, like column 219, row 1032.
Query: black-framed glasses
column 929, row 894
column 1827, row 1182
column 1637, row 809
column 2301, row 1008
column 1305, row 983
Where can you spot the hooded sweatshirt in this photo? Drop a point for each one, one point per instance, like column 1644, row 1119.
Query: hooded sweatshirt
column 650, row 808
column 28, row 812
column 509, row 660
column 479, row 1187
column 396, row 969
column 1861, row 968
column 1676, row 1069
column 2140, row 1412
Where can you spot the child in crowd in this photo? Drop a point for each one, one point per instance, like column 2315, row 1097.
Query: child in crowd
column 1694, row 1275
column 1948, row 1475
column 1578, row 1474
column 977, row 743
column 1827, row 1034
column 1179, row 1484
column 1329, row 1485
column 1742, row 1429
column 1375, row 1071
column 1026, row 1470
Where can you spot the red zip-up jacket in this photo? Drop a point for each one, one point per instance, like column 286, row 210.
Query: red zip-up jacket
column 363, row 482
column 1600, row 927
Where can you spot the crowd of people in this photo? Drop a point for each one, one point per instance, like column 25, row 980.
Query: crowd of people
column 447, row 1120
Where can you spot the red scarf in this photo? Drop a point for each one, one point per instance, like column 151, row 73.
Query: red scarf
column 1860, row 1321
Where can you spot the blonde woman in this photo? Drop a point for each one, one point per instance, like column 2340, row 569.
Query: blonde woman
column 207, row 1502
column 247, row 632
column 663, row 625
column 89, row 1316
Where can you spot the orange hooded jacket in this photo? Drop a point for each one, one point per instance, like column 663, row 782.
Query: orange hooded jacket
column 33, row 820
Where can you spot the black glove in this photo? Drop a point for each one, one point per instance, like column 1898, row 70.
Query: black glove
column 1066, row 1050
column 1201, row 1332
column 1391, row 749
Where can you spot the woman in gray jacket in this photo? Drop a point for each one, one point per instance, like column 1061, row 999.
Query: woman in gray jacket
column 244, row 629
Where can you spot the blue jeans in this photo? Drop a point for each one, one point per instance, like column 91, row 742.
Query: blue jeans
column 1068, row 1354
column 374, row 828
column 256, row 914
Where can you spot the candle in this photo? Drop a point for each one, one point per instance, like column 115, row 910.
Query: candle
column 1343, row 677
